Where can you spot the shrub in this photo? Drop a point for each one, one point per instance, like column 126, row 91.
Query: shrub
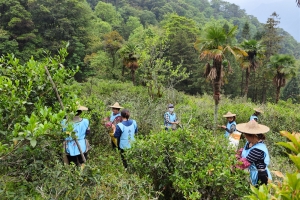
column 193, row 164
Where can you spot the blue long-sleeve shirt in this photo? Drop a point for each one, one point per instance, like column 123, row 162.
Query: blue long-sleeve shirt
column 118, row 131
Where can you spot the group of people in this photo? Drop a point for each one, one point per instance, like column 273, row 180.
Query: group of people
column 122, row 130
column 254, row 155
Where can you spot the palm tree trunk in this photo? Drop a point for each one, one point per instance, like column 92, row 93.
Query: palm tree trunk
column 217, row 89
column 277, row 93
column 247, row 82
column 216, row 118
column 242, row 83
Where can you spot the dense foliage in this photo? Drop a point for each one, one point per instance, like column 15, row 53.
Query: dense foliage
column 188, row 163
column 97, row 31
column 143, row 54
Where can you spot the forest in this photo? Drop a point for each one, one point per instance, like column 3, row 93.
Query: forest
column 205, row 57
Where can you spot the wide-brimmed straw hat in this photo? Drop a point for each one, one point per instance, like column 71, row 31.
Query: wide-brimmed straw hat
column 116, row 105
column 252, row 127
column 229, row 114
column 82, row 108
column 258, row 110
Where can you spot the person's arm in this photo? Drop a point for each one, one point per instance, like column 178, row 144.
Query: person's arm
column 167, row 118
column 232, row 129
column 255, row 155
column 136, row 128
column 176, row 120
column 118, row 132
column 88, row 131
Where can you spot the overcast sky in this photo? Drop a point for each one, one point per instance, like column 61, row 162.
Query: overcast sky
column 288, row 12
column 252, row 3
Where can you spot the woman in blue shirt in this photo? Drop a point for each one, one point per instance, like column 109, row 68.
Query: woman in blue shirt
column 231, row 124
column 81, row 129
column 255, row 155
column 255, row 114
column 114, row 119
column 125, row 132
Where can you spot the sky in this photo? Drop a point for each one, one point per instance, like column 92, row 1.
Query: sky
column 288, row 12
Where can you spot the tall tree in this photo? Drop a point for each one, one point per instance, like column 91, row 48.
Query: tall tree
column 130, row 59
column 181, row 35
column 251, row 62
column 108, row 13
column 272, row 37
column 284, row 67
column 246, row 31
column 64, row 21
column 272, row 40
column 292, row 90
column 16, row 29
column 214, row 47
column 113, row 41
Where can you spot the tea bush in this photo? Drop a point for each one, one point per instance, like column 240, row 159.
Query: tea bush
column 189, row 163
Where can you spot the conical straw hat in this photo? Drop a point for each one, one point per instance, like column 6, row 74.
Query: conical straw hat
column 229, row 114
column 252, row 127
column 258, row 110
column 116, row 105
column 82, row 108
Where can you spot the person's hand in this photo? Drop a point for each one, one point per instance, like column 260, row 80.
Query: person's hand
column 224, row 127
column 113, row 127
column 108, row 124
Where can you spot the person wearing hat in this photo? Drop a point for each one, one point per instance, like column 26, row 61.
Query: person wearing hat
column 170, row 118
column 231, row 124
column 125, row 132
column 114, row 119
column 81, row 129
column 255, row 155
column 255, row 114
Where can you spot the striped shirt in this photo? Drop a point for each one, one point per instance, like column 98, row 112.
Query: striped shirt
column 256, row 156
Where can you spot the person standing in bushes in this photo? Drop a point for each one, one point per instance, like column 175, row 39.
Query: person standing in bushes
column 256, row 114
column 114, row 119
column 255, row 155
column 170, row 118
column 125, row 132
column 231, row 124
column 81, row 129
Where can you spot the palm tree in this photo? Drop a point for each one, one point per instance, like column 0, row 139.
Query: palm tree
column 252, row 61
column 130, row 59
column 214, row 46
column 284, row 67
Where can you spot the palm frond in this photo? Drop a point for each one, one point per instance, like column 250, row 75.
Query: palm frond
column 212, row 74
column 232, row 32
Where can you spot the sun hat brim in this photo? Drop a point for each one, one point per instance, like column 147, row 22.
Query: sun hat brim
column 116, row 105
column 252, row 127
column 229, row 114
column 258, row 110
column 82, row 108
